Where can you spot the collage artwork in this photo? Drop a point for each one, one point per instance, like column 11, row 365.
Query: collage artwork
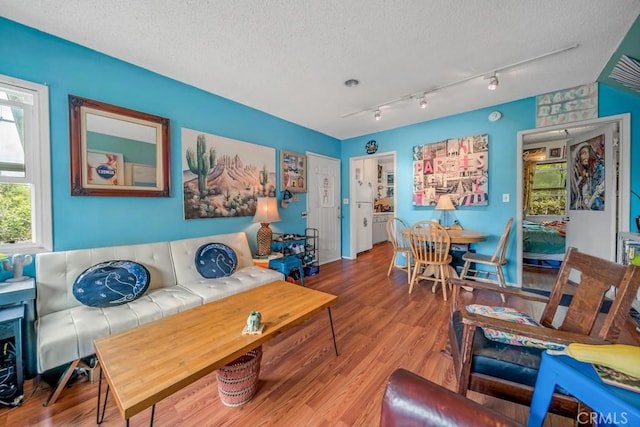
column 458, row 167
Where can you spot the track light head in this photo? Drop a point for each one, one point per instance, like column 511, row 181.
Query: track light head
column 423, row 102
column 377, row 114
column 493, row 83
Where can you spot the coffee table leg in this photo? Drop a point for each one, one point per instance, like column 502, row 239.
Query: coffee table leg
column 100, row 418
column 335, row 344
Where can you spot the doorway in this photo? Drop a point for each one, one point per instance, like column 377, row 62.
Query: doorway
column 611, row 219
column 323, row 205
column 376, row 171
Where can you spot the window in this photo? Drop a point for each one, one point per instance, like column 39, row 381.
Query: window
column 25, row 179
column 548, row 192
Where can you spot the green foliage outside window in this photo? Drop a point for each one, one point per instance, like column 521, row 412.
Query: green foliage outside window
column 15, row 213
column 548, row 193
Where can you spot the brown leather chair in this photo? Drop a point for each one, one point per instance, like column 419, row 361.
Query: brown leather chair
column 410, row 400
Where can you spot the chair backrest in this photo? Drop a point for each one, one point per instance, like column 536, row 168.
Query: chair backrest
column 395, row 228
column 501, row 249
column 594, row 277
column 430, row 242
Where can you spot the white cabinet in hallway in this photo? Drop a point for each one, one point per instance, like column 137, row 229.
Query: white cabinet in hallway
column 380, row 227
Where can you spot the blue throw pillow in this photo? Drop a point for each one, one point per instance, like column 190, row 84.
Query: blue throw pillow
column 111, row 283
column 215, row 260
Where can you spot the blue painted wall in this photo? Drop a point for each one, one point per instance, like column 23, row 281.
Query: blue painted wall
column 82, row 222
column 503, row 160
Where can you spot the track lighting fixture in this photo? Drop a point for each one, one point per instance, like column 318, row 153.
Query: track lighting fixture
column 423, row 101
column 422, row 95
column 493, row 83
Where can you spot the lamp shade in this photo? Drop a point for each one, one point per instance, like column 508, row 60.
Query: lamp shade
column 445, row 203
column 267, row 210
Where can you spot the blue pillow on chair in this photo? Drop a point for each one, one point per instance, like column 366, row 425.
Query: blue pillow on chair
column 111, row 283
column 215, row 260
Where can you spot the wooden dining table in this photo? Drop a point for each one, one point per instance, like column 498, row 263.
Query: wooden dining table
column 459, row 237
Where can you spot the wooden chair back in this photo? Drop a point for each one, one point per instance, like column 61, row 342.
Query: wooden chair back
column 395, row 228
column 501, row 250
column 592, row 279
column 430, row 243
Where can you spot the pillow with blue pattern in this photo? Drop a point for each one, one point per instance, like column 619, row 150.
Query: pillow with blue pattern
column 111, row 283
column 215, row 260
column 515, row 316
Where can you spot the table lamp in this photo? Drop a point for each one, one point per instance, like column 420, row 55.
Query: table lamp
column 445, row 205
column 266, row 213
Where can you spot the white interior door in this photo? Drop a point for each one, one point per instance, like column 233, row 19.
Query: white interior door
column 323, row 204
column 622, row 141
column 591, row 192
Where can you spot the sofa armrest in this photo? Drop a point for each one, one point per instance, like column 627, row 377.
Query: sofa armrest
column 410, row 400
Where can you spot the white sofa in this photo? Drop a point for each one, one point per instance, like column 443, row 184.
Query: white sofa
column 66, row 329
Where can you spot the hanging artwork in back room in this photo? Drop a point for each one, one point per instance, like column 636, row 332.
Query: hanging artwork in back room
column 587, row 175
column 457, row 167
column 223, row 177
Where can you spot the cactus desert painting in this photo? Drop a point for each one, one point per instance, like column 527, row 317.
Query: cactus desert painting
column 223, row 177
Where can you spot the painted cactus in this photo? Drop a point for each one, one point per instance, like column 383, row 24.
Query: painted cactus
column 264, row 178
column 201, row 163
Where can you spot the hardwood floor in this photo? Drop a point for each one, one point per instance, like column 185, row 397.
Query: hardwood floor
column 379, row 328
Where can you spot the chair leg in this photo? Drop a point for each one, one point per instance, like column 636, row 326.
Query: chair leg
column 501, row 281
column 465, row 270
column 416, row 268
column 408, row 256
column 393, row 260
column 466, row 350
column 62, row 382
column 443, row 279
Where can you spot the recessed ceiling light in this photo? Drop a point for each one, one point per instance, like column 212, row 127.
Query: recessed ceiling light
column 351, row 83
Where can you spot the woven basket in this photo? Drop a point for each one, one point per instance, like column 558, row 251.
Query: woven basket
column 238, row 381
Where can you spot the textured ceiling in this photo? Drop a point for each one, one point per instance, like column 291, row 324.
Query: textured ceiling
column 290, row 58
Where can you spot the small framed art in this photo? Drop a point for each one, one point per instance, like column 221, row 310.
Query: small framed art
column 555, row 153
column 293, row 171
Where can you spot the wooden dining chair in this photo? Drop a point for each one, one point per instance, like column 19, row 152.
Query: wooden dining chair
column 495, row 262
column 589, row 303
column 430, row 244
column 396, row 231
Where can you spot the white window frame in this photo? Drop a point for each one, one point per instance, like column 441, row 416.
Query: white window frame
column 38, row 167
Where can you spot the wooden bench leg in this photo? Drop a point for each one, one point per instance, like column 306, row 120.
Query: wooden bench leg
column 62, row 382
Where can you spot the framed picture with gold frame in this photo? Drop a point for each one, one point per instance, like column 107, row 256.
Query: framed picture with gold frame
column 116, row 151
column 293, row 171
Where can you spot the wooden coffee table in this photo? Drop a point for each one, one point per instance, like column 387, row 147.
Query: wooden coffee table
column 145, row 364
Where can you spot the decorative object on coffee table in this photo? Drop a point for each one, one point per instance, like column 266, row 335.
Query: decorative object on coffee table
column 254, row 324
column 238, row 381
column 266, row 213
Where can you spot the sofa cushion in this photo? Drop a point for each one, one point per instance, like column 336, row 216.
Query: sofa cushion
column 68, row 334
column 111, row 283
column 515, row 316
column 183, row 252
column 56, row 271
column 242, row 280
column 215, row 260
